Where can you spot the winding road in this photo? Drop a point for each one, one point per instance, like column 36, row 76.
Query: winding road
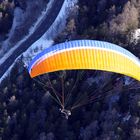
column 42, row 28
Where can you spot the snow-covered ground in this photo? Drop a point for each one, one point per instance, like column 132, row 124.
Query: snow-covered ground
column 16, row 22
column 46, row 40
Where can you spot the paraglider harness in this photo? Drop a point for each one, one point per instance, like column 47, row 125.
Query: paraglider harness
column 66, row 112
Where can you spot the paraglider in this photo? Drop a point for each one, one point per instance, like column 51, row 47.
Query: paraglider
column 85, row 54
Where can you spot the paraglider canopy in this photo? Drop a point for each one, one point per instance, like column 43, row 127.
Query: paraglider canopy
column 86, row 54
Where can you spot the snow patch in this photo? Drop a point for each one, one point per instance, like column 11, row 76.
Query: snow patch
column 135, row 36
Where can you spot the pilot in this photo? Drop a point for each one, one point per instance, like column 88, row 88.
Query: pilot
column 67, row 113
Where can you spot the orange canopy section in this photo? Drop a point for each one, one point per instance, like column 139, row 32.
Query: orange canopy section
column 86, row 54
